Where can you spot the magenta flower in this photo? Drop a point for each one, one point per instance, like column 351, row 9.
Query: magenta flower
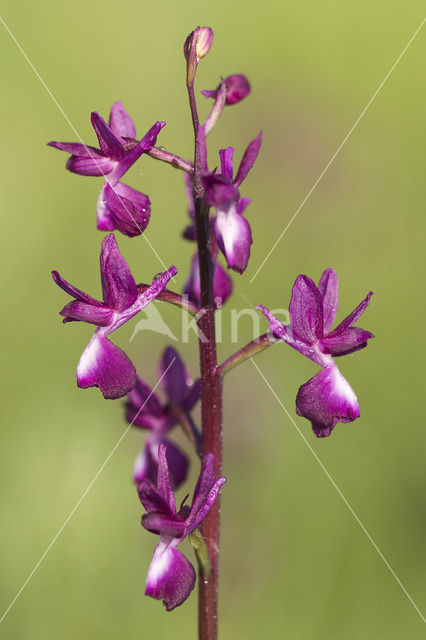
column 145, row 409
column 119, row 206
column 102, row 364
column 237, row 88
column 327, row 398
column 232, row 230
column 171, row 577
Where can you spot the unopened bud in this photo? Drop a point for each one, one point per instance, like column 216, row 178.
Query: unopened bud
column 237, row 88
column 197, row 45
column 204, row 41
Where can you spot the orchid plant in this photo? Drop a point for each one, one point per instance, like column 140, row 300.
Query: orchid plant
column 219, row 227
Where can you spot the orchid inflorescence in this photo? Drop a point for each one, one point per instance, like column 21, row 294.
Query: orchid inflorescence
column 219, row 227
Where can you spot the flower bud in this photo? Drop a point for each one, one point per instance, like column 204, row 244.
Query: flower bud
column 204, row 41
column 237, row 88
column 197, row 45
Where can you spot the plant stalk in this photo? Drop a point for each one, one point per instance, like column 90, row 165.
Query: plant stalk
column 211, row 392
column 251, row 349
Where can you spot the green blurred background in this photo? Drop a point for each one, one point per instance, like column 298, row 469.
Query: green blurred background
column 295, row 563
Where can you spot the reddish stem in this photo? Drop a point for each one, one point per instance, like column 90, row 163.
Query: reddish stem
column 211, row 392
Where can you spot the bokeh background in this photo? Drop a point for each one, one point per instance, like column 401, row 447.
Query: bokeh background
column 295, row 562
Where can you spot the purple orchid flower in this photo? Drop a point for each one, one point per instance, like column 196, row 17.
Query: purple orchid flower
column 327, row 398
column 171, row 577
column 119, row 206
column 232, row 230
column 102, row 364
column 144, row 409
column 237, row 88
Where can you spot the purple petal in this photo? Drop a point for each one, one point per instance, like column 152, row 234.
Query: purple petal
column 242, row 205
column 306, row 310
column 353, row 317
column 210, row 500
column 190, row 233
column 326, row 399
column 118, row 286
column 328, row 288
column 138, row 199
column 151, row 498
column 233, row 235
column 222, row 284
column 163, row 478
column 281, row 331
column 110, row 145
column 120, row 122
column 77, row 149
column 124, row 209
column 275, row 326
column 237, row 88
column 193, row 395
column 104, row 215
column 226, row 163
column 146, row 464
column 158, row 285
column 145, row 468
column 248, row 159
column 209, row 94
column 171, row 577
column 142, row 300
column 147, row 142
column 174, row 376
column 161, row 524
column 203, row 486
column 205, row 494
column 219, row 192
column 87, row 166
column 178, row 464
column 105, row 366
column 77, row 310
column 73, row 291
column 348, row 340
column 143, row 408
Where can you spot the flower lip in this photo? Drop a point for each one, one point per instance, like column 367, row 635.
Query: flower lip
column 171, row 577
column 327, row 399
